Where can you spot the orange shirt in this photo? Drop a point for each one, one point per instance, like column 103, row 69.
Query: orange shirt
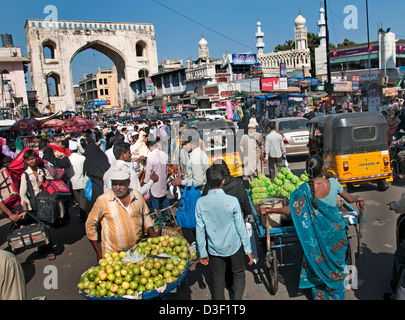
column 121, row 228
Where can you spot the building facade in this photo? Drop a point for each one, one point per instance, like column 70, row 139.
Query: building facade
column 298, row 58
column 13, row 91
column 131, row 46
column 99, row 92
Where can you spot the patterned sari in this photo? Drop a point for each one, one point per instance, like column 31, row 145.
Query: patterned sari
column 322, row 235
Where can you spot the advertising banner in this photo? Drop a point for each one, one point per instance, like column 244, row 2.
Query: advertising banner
column 283, row 69
column 272, row 84
column 248, row 58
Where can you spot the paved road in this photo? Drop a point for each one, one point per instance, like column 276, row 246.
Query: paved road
column 75, row 255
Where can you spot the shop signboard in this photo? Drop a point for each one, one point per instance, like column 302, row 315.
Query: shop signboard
column 342, row 86
column 283, row 69
column 272, row 84
column 243, row 59
column 356, row 82
column 150, row 87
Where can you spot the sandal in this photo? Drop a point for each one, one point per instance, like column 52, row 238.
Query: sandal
column 51, row 256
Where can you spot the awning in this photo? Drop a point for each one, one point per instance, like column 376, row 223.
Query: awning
column 267, row 96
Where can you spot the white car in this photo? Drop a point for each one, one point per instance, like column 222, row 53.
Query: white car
column 212, row 114
column 295, row 133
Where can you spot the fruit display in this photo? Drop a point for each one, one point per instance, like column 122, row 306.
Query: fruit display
column 283, row 185
column 137, row 273
column 172, row 246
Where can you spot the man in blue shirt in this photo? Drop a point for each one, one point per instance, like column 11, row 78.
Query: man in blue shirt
column 221, row 233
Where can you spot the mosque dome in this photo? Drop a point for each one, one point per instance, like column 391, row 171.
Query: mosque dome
column 203, row 42
column 300, row 21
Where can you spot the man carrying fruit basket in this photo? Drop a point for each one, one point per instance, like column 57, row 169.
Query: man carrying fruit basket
column 123, row 215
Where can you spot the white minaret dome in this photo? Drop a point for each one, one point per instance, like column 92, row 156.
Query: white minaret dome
column 321, row 10
column 203, row 42
column 300, row 21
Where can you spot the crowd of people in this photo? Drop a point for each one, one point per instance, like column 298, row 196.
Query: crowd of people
column 130, row 176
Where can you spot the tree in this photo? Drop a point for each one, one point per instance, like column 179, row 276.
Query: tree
column 288, row 45
column 346, row 43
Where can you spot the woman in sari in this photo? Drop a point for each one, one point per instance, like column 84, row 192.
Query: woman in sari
column 321, row 230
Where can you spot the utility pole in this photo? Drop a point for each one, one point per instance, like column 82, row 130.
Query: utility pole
column 329, row 88
column 368, row 43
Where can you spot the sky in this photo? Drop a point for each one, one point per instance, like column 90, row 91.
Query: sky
column 228, row 26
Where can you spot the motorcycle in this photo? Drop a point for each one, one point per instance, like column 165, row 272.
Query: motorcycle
column 394, row 149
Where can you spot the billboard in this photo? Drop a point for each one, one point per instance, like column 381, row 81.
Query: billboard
column 243, row 59
column 272, row 84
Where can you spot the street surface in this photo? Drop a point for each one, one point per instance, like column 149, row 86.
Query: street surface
column 74, row 255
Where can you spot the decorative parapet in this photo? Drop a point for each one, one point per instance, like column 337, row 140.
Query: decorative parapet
column 88, row 25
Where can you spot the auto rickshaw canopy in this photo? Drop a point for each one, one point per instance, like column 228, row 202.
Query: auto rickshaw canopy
column 359, row 132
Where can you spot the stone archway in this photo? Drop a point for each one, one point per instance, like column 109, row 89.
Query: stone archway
column 66, row 39
column 119, row 60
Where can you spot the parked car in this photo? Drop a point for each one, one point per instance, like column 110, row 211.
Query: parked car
column 295, row 133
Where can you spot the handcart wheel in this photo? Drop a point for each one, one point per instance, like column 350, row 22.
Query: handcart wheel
column 272, row 268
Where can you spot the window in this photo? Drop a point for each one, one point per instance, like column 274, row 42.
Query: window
column 105, row 80
column 140, row 49
column 364, row 134
column 101, row 92
column 100, row 81
column 293, row 125
column 106, row 92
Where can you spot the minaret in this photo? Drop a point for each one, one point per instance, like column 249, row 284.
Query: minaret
column 322, row 27
column 259, row 37
column 203, row 50
column 300, row 33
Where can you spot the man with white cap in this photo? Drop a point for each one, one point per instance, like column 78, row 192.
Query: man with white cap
column 122, row 213
column 252, row 147
column 77, row 178
column 122, row 153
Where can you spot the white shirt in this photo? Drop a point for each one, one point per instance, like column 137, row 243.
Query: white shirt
column 134, row 179
column 274, row 145
column 196, row 168
column 77, row 161
column 110, row 155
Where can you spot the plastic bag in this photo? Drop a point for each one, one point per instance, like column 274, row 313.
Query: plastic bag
column 286, row 164
column 185, row 217
column 88, row 190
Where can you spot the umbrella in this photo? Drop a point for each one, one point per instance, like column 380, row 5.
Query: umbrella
column 75, row 124
column 25, row 124
column 51, row 123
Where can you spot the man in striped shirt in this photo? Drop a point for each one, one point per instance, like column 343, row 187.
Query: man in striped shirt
column 123, row 215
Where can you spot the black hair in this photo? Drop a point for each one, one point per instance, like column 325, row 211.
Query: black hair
column 65, row 143
column 272, row 125
column 29, row 154
column 42, row 143
column 120, row 147
column 118, row 137
column 313, row 166
column 215, row 175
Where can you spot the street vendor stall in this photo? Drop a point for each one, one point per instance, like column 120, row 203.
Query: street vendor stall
column 152, row 269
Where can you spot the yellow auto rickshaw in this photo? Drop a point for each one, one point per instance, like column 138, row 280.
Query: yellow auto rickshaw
column 219, row 140
column 353, row 146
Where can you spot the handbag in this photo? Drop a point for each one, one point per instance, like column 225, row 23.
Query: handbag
column 185, row 217
column 56, row 188
column 88, row 189
column 29, row 236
